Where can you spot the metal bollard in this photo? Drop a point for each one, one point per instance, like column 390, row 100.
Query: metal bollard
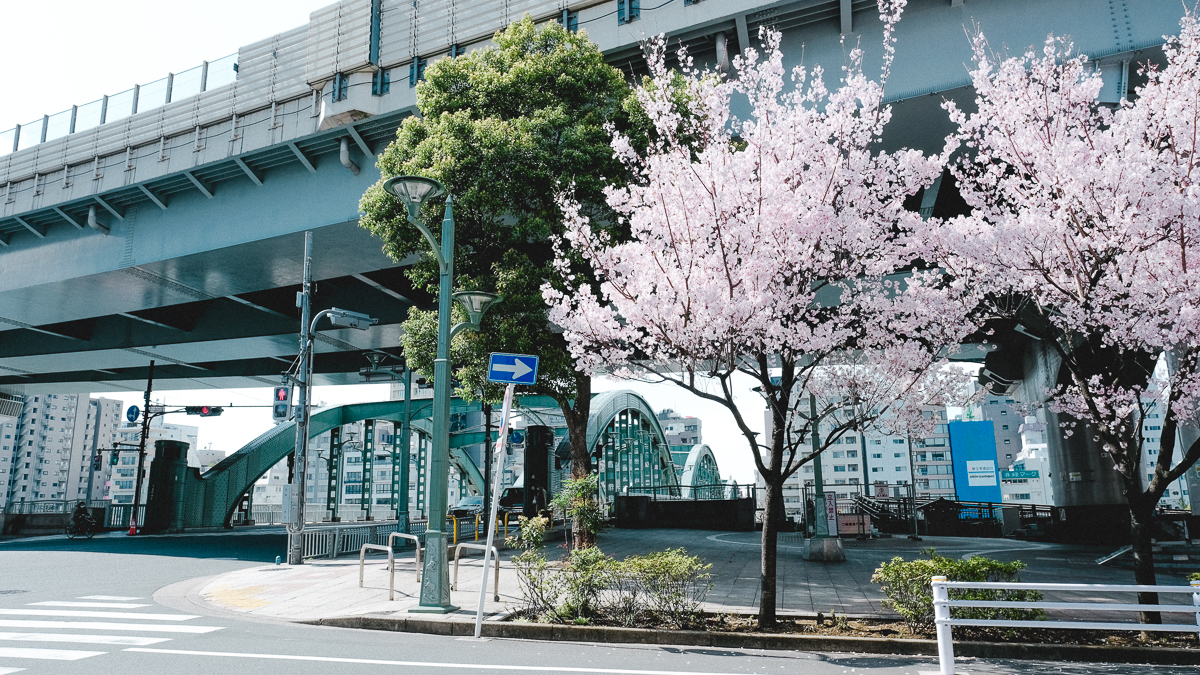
column 455, row 520
column 478, row 517
column 1196, row 602
column 945, row 636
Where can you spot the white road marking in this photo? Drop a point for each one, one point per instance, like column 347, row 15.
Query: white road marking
column 103, row 625
column 128, row 640
column 9, row 671
column 47, row 654
column 67, row 603
column 425, row 664
column 109, row 597
column 98, row 615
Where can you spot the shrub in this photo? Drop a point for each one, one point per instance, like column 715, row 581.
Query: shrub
column 909, row 590
column 673, row 584
column 587, row 572
column 577, row 501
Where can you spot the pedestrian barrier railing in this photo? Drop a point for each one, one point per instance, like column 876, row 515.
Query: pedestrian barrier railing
column 479, row 547
column 332, row 541
column 942, row 604
column 416, row 542
column 362, row 563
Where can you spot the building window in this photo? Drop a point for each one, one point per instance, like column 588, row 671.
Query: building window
column 840, row 468
column 1007, row 442
column 876, row 455
column 898, row 441
column 899, row 468
column 852, row 467
column 897, row 454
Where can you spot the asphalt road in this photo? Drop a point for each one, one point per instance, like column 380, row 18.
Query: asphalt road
column 88, row 607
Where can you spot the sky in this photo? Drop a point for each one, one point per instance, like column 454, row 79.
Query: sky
column 70, row 52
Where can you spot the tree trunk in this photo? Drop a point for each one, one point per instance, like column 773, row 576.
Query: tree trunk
column 1141, row 512
column 576, row 417
column 770, row 539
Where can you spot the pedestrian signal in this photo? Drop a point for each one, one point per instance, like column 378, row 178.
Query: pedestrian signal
column 281, row 406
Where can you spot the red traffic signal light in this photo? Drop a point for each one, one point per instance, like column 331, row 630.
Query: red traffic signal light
column 204, row 410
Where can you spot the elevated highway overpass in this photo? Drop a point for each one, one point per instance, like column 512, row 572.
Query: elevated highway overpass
column 166, row 222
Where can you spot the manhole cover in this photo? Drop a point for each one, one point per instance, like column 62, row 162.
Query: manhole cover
column 12, row 592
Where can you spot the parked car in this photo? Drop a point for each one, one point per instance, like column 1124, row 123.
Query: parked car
column 467, row 506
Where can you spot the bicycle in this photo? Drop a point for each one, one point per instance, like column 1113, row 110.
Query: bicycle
column 85, row 529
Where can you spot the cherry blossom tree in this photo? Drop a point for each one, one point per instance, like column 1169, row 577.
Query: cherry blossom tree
column 1084, row 229
column 765, row 246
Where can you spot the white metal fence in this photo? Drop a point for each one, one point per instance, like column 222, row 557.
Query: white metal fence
column 942, row 604
column 335, row 540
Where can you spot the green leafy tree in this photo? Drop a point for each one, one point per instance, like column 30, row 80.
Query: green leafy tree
column 506, row 129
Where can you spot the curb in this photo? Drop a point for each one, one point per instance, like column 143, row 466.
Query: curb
column 806, row 643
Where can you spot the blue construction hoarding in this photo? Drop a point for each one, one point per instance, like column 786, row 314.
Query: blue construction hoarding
column 973, row 450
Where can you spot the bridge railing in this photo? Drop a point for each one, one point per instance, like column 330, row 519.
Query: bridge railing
column 174, row 87
column 116, row 516
column 51, row 506
column 694, row 492
column 335, row 540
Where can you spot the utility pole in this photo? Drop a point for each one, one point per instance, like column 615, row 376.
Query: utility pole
column 137, row 493
column 296, row 526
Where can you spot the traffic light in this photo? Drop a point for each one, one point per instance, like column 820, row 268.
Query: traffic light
column 113, row 457
column 281, row 406
column 97, row 461
column 204, row 410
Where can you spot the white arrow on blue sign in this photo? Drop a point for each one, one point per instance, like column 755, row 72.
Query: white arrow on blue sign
column 132, row 414
column 513, row 368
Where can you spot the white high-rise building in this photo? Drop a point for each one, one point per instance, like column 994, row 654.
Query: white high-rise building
column 50, row 449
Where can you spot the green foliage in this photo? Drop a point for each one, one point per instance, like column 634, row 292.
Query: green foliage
column 532, row 535
column 909, row 590
column 1194, row 576
column 587, row 572
column 504, row 129
column 672, row 583
column 659, row 589
column 577, row 501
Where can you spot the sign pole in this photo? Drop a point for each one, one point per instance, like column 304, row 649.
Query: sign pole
column 495, row 507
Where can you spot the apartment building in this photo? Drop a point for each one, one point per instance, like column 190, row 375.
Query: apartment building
column 51, row 448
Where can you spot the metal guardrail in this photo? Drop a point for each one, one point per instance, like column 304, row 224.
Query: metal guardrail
column 332, row 541
column 481, row 547
column 416, row 542
column 714, row 491
column 944, row 622
column 52, row 506
column 117, row 516
column 362, row 562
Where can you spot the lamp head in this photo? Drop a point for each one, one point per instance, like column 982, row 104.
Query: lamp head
column 413, row 191
column 476, row 303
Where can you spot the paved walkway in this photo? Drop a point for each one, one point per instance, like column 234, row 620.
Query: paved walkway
column 329, row 588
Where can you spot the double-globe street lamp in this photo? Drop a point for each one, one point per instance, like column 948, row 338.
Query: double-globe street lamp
column 414, row 191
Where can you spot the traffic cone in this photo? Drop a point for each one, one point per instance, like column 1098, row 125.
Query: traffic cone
column 132, row 526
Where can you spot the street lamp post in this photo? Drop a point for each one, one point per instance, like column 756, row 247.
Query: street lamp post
column 414, row 191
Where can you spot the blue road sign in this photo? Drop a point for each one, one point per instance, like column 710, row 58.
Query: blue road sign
column 513, row 368
column 132, row 413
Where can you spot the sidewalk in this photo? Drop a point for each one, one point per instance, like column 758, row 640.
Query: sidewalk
column 322, row 589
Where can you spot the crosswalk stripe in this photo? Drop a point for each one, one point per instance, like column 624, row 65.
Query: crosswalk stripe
column 129, row 640
column 99, row 615
column 47, row 654
column 103, row 625
column 10, row 671
column 65, row 603
column 109, row 597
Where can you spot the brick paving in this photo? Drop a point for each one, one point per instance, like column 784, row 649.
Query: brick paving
column 328, row 588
